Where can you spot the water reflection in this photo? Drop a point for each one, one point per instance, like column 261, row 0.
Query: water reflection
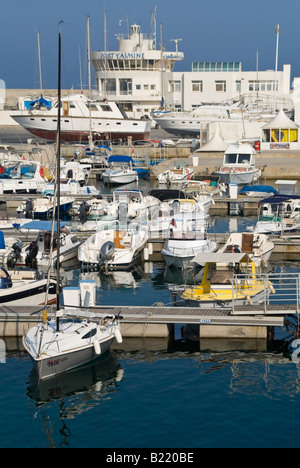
column 81, row 389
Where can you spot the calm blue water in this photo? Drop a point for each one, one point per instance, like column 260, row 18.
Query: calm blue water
column 173, row 393
column 157, row 393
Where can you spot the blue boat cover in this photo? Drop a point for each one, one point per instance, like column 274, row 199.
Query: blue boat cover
column 2, row 241
column 259, row 188
column 42, row 225
column 277, row 199
column 120, row 158
column 41, row 102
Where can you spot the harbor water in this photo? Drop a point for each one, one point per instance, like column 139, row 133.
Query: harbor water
column 171, row 393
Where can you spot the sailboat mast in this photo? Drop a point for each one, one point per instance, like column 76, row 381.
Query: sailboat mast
column 40, row 62
column 90, row 80
column 58, row 177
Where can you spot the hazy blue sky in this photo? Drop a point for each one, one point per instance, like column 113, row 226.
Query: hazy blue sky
column 211, row 30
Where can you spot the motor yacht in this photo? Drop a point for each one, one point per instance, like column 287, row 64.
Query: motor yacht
column 81, row 117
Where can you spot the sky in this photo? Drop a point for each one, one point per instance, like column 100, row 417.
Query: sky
column 211, row 30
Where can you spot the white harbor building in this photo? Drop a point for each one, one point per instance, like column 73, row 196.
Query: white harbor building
column 139, row 74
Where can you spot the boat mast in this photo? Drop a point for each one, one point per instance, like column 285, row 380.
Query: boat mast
column 58, row 180
column 40, row 62
column 90, row 81
column 277, row 30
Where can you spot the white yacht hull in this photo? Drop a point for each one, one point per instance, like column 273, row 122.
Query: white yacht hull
column 75, row 344
column 78, row 129
column 180, row 253
column 119, row 177
column 28, row 294
column 238, row 177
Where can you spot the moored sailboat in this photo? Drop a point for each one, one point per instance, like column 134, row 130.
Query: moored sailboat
column 72, row 338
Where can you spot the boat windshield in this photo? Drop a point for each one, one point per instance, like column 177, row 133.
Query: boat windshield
column 231, row 159
column 244, row 159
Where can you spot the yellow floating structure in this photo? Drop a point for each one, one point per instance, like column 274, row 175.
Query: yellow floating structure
column 228, row 279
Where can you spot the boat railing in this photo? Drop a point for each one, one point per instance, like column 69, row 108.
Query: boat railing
column 267, row 293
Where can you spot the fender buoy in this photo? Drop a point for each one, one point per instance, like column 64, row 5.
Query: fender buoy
column 42, row 173
column 118, row 335
column 97, row 347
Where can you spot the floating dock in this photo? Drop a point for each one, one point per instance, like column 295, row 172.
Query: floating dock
column 159, row 321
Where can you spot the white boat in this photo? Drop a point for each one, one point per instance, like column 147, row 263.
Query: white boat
column 180, row 250
column 176, row 175
column 187, row 237
column 276, row 225
column 125, row 205
column 70, row 187
column 37, row 253
column 190, row 123
column 130, row 204
column 120, row 171
column 42, row 208
column 259, row 247
column 25, row 177
column 63, row 344
column 24, row 288
column 96, row 157
column 107, row 121
column 116, row 247
column 80, row 339
column 172, row 203
column 75, row 170
column 239, row 165
column 278, row 214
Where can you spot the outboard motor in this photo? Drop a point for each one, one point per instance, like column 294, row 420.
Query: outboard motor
column 30, row 260
column 106, row 252
column 83, row 212
column 5, row 279
column 29, row 208
column 17, row 249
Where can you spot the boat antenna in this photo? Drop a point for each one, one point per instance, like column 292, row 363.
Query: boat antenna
column 58, row 181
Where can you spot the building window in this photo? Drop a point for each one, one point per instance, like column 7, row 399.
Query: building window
column 197, row 86
column 174, row 86
column 263, row 85
column 238, row 86
column 146, row 87
column 109, row 86
column 221, row 86
column 153, row 87
column 138, row 87
column 125, row 87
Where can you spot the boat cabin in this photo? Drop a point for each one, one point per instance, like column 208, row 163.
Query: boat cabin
column 239, row 156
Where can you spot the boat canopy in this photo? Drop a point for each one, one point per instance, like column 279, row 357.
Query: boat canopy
column 259, row 188
column 209, row 257
column 120, row 158
column 42, row 226
column 163, row 194
column 277, row 199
